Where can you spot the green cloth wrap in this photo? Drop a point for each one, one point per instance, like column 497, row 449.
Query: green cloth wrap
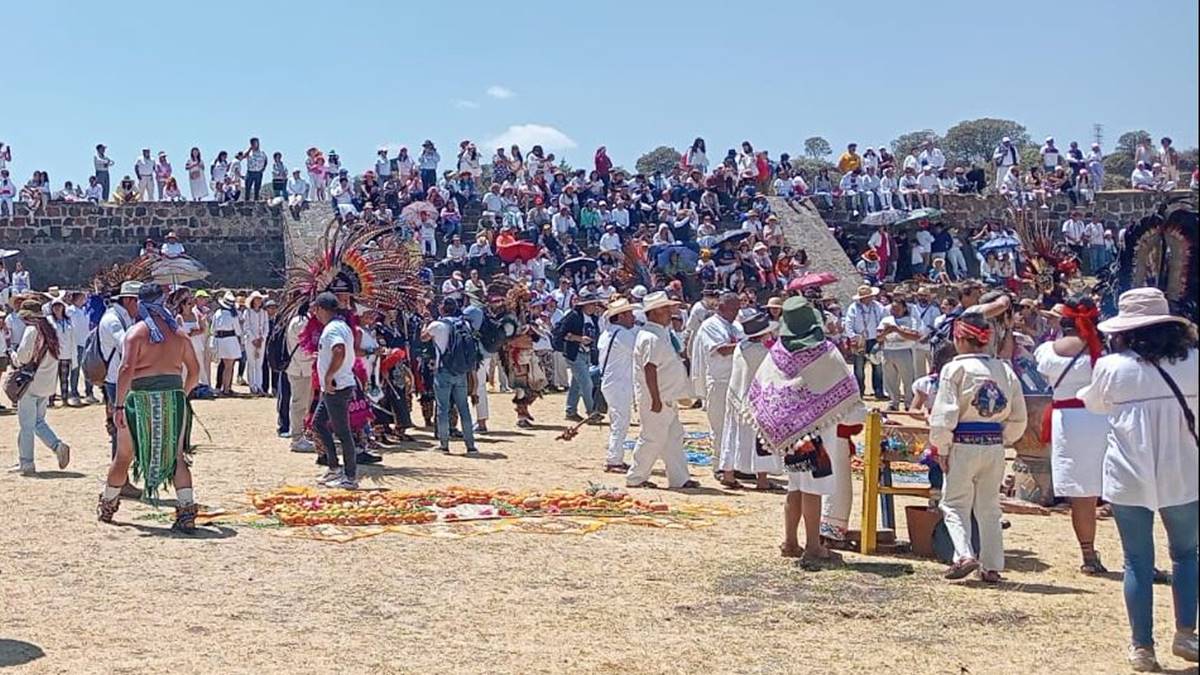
column 160, row 421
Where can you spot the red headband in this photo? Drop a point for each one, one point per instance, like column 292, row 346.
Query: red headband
column 964, row 330
column 1085, row 324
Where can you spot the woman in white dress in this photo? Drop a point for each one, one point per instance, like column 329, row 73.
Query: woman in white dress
column 195, row 172
column 1077, row 437
column 739, row 444
column 255, row 324
column 194, row 324
column 1147, row 387
column 226, row 340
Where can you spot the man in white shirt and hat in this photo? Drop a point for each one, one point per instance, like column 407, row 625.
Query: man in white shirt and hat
column 117, row 319
column 660, row 380
column 716, row 340
column 1004, row 158
column 144, row 170
column 616, row 347
column 861, row 324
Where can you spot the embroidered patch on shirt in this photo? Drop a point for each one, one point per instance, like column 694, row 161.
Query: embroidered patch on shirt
column 989, row 399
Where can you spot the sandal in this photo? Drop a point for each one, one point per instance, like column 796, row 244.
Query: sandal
column 107, row 508
column 616, row 468
column 645, row 484
column 961, row 569
column 990, row 576
column 773, row 487
column 731, row 485
column 812, row 561
column 185, row 518
column 689, row 485
column 1092, row 566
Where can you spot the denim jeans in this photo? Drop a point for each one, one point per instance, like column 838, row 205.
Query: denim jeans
column 333, row 417
column 76, row 372
column 31, row 421
column 253, row 185
column 452, row 390
column 1135, row 524
column 860, row 367
column 581, row 384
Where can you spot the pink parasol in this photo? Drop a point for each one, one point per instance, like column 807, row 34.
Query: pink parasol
column 411, row 214
column 812, row 280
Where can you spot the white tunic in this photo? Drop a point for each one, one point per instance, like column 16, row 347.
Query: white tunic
column 227, row 347
column 738, row 446
column 1151, row 458
column 1077, row 437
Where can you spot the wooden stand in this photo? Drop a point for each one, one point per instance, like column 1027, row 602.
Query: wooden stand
column 874, row 490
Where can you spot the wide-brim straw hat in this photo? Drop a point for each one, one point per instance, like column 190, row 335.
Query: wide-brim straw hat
column 1138, row 308
column 618, row 306
column 129, row 289
column 865, row 292
column 658, row 300
column 228, row 300
column 775, row 302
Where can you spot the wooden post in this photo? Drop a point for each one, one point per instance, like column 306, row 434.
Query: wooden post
column 870, row 493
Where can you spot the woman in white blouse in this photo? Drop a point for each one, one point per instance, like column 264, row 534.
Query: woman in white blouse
column 899, row 332
column 1077, row 436
column 1147, row 387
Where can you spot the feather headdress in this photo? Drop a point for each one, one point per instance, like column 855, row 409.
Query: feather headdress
column 109, row 279
column 365, row 260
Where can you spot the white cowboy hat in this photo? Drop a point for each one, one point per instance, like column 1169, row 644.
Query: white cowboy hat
column 619, row 306
column 255, row 296
column 1140, row 307
column 865, row 292
column 129, row 289
column 228, row 299
column 657, row 300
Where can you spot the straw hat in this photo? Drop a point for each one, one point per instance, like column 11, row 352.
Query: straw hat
column 587, row 298
column 29, row 310
column 129, row 289
column 657, row 300
column 775, row 302
column 1140, row 307
column 255, row 296
column 618, row 306
column 228, row 300
column 865, row 292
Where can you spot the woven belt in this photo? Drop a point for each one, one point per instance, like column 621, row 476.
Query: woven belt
column 979, row 433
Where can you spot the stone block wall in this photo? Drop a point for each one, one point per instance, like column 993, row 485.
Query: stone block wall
column 66, row 244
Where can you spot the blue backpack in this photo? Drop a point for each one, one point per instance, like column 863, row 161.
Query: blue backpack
column 462, row 353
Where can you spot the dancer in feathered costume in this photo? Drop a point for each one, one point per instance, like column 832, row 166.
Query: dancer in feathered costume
column 366, row 267
column 510, row 331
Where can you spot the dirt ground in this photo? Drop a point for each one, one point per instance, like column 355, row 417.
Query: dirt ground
column 79, row 596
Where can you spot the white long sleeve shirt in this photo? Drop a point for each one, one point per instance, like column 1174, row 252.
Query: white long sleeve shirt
column 862, row 319
column 976, row 388
column 615, row 347
column 715, row 333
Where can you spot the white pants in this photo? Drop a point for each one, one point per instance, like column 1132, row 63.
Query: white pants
column 254, row 367
column 835, row 508
column 957, row 262
column 428, row 242
column 715, row 394
column 146, row 188
column 561, row 377
column 481, row 373
column 973, row 483
column 298, row 404
column 620, row 411
column 659, row 437
column 921, row 361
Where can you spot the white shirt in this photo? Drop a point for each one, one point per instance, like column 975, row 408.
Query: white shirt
column 297, row 186
column 1142, row 178
column 80, row 324
column 927, row 182
column 924, row 241
column 45, row 379
column 336, row 332
column 101, row 163
column 1151, row 458
column 1093, row 233
column 928, row 316
column 610, row 241
column 111, row 331
column 894, row 341
column 144, row 168
column 862, row 319
column 715, row 332
column 254, row 324
column 1073, row 230
column 257, row 161
column 301, row 361
column 616, row 359
column 172, row 250
column 654, row 347
column 934, row 158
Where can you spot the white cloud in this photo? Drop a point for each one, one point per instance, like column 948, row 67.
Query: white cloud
column 497, row 91
column 465, row 104
column 529, row 135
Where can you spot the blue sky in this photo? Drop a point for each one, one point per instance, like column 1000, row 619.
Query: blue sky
column 355, row 75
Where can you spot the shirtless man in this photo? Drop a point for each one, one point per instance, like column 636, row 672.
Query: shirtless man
column 151, row 391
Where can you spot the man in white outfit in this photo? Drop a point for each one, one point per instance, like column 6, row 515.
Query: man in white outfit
column 616, row 347
column 717, row 339
column 699, row 312
column 660, row 380
column 299, row 374
column 144, row 169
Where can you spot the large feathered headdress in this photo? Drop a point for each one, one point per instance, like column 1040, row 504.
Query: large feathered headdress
column 109, row 279
column 365, row 260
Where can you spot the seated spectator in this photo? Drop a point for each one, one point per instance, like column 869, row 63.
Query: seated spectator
column 850, row 188
column 450, row 220
column 170, row 191
column 977, row 178
column 1060, row 181
column 456, row 254
column 125, row 193
column 870, row 190
column 1084, row 187
column 454, row 286
column 480, row 256
column 706, row 269
column 823, row 189
column 910, row 190
column 927, row 184
column 1142, row 178
column 297, row 191
column 961, row 185
column 868, row 267
column 1162, row 178
column 610, row 241
column 95, row 191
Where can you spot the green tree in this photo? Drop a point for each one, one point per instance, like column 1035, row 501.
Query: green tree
column 913, row 140
column 662, row 158
column 1118, row 166
column 1128, row 141
column 810, row 166
column 1187, row 162
column 975, row 140
column 816, row 147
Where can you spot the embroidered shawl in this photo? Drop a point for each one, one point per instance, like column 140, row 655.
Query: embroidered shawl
column 796, row 393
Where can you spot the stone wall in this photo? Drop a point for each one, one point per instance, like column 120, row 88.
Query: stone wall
column 66, row 244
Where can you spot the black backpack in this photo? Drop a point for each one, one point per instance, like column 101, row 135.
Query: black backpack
column 278, row 356
column 462, row 353
column 494, row 331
